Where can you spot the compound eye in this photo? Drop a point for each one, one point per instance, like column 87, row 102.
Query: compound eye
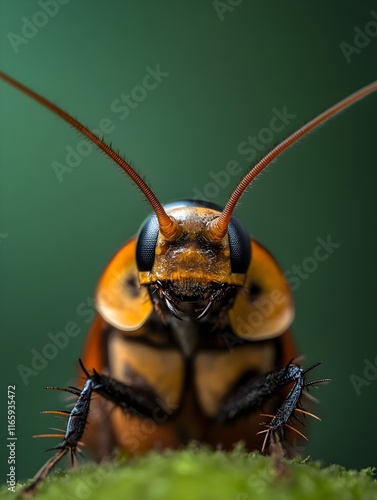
column 146, row 244
column 240, row 247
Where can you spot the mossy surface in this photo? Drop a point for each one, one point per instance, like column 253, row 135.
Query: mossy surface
column 195, row 474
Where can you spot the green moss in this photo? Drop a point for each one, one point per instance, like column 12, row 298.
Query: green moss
column 197, row 473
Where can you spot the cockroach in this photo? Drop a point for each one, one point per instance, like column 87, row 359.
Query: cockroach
column 167, row 304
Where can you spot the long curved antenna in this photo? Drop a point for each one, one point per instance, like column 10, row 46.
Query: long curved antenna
column 219, row 226
column 168, row 226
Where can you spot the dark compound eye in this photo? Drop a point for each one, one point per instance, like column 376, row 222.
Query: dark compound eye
column 240, row 247
column 146, row 244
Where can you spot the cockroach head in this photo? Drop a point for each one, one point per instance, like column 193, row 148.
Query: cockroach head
column 192, row 268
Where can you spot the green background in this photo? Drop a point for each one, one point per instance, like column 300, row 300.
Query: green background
column 225, row 78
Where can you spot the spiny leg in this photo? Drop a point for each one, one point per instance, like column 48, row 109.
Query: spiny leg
column 251, row 396
column 133, row 401
column 73, row 434
column 282, row 418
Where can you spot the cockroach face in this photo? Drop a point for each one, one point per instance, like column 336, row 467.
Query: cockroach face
column 190, row 274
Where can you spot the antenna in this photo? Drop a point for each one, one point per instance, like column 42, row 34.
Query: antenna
column 219, row 226
column 168, row 225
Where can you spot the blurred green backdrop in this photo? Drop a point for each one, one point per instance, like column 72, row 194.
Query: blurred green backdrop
column 224, row 72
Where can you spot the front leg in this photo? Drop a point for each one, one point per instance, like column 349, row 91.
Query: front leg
column 142, row 404
column 251, row 396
